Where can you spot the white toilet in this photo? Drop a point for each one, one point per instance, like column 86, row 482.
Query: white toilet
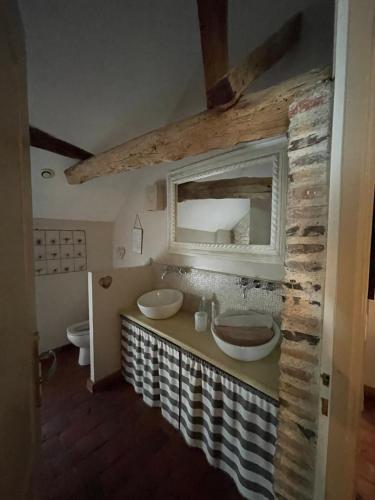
column 79, row 335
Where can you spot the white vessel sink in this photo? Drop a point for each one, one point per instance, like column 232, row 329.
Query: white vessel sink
column 160, row 304
column 244, row 320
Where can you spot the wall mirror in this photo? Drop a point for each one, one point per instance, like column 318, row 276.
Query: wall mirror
column 231, row 205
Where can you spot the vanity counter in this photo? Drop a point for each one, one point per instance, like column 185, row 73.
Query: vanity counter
column 179, row 329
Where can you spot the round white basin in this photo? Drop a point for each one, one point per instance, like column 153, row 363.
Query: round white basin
column 247, row 353
column 160, row 304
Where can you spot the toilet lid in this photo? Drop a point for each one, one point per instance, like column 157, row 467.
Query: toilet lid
column 82, row 328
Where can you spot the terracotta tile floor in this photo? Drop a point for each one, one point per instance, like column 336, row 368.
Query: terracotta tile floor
column 366, row 461
column 111, row 445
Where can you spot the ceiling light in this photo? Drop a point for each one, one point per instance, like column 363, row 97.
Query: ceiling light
column 47, row 173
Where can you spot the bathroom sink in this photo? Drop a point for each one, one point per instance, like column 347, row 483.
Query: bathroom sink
column 160, row 304
column 246, row 336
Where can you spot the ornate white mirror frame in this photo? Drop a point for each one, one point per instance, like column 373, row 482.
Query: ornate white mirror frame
column 239, row 157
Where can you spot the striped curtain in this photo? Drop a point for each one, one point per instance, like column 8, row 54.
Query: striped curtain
column 152, row 366
column 233, row 424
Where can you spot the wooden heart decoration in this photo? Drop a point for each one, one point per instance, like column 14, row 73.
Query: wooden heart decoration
column 105, row 282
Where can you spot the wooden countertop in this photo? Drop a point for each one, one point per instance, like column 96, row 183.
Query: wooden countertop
column 179, row 329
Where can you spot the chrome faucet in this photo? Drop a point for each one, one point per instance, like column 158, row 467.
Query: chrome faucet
column 167, row 270
column 183, row 270
column 175, row 269
column 248, row 283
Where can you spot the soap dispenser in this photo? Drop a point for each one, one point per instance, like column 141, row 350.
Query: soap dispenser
column 203, row 305
column 201, row 317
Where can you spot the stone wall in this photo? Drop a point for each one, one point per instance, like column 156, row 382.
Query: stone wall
column 306, row 236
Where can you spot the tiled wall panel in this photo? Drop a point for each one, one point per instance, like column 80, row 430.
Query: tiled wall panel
column 224, row 288
column 59, row 251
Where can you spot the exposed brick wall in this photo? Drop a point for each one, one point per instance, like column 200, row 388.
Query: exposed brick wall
column 306, row 236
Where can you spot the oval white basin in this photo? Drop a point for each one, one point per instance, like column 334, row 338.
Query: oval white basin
column 160, row 304
column 247, row 353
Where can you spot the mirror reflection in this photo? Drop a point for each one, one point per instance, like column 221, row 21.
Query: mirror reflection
column 233, row 207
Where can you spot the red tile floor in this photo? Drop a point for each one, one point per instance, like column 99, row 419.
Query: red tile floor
column 366, row 459
column 112, row 446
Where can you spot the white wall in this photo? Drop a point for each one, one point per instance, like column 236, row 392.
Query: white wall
column 105, row 305
column 260, row 221
column 62, row 299
column 97, row 200
column 211, row 214
column 195, row 235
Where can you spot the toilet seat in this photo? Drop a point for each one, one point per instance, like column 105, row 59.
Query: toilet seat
column 81, row 328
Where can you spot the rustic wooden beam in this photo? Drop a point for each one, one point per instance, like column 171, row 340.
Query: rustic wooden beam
column 239, row 187
column 213, row 16
column 256, row 116
column 229, row 88
column 42, row 140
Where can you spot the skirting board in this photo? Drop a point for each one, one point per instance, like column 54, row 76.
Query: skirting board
column 61, row 348
column 104, row 383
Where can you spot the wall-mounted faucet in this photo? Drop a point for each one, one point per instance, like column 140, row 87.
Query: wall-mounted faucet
column 246, row 284
column 167, row 270
column 175, row 269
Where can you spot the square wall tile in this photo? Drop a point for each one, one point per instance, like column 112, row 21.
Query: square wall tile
column 39, row 252
column 53, row 267
column 79, row 237
column 67, row 265
column 66, row 237
column 40, row 268
column 53, row 252
column 52, row 237
column 39, row 237
column 79, row 251
column 67, row 251
column 80, row 264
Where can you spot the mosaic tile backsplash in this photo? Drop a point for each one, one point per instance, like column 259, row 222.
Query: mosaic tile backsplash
column 224, row 288
column 59, row 251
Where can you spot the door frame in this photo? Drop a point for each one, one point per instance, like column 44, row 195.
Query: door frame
column 19, row 379
column 348, row 247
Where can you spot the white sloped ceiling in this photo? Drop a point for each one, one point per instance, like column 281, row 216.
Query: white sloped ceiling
column 101, row 72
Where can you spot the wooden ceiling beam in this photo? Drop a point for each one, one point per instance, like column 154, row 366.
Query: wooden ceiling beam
column 213, row 15
column 256, row 116
column 229, row 88
column 239, row 187
column 42, row 140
